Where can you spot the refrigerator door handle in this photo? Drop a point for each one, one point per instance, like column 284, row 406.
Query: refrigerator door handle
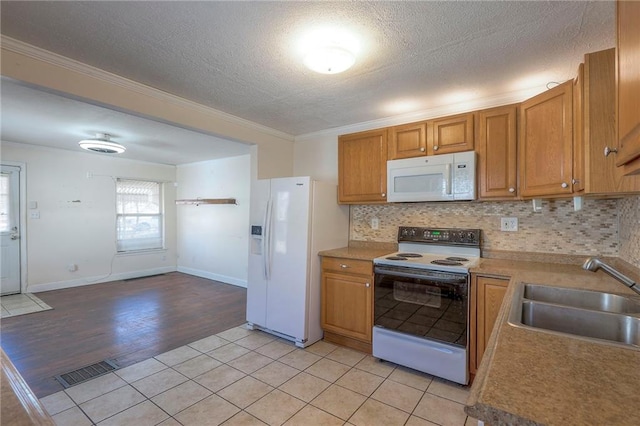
column 266, row 241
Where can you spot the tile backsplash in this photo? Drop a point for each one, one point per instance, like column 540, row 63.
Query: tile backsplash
column 594, row 230
column 629, row 217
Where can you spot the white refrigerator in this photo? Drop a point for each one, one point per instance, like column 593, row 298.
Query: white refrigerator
column 291, row 220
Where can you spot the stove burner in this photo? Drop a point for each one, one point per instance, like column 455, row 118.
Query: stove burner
column 396, row 258
column 446, row 262
column 457, row 259
column 409, row 255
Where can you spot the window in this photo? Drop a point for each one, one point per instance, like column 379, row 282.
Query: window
column 5, row 201
column 139, row 219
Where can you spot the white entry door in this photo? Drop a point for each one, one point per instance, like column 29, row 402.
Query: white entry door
column 10, row 230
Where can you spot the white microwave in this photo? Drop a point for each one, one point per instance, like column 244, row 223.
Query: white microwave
column 446, row 177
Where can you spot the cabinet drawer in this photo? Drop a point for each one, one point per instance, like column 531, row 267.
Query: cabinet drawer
column 348, row 266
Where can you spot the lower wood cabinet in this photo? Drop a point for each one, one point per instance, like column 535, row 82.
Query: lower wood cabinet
column 347, row 302
column 487, row 294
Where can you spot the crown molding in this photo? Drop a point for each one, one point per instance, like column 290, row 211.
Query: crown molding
column 435, row 112
column 46, row 56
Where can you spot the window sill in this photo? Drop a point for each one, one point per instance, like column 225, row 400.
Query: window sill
column 140, row 252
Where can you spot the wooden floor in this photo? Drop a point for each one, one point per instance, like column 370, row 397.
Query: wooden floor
column 128, row 321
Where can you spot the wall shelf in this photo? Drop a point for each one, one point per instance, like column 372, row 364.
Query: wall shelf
column 198, row 201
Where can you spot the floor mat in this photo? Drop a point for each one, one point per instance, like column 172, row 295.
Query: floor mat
column 21, row 304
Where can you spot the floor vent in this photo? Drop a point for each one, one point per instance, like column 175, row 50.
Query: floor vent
column 85, row 373
column 140, row 278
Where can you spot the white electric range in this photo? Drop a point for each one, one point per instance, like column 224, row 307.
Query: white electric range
column 421, row 300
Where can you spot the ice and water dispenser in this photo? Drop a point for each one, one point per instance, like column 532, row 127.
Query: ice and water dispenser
column 256, row 239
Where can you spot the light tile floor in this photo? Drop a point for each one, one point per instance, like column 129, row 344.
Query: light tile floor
column 244, row 377
column 20, row 304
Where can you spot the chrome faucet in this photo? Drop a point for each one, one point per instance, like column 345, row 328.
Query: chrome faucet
column 593, row 264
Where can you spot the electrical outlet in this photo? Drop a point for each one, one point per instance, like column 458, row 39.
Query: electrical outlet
column 375, row 223
column 509, row 224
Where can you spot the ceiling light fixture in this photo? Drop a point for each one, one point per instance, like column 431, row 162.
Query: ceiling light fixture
column 329, row 50
column 329, row 59
column 102, row 143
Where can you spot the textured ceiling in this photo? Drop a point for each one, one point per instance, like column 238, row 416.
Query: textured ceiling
column 241, row 57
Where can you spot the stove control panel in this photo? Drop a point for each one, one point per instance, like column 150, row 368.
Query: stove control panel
column 446, row 236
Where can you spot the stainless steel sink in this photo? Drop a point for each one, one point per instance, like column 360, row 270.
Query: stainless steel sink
column 582, row 322
column 585, row 299
column 591, row 315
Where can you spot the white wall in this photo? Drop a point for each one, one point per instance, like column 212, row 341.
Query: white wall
column 317, row 156
column 77, row 217
column 213, row 240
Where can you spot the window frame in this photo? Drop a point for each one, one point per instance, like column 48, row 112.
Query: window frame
column 120, row 218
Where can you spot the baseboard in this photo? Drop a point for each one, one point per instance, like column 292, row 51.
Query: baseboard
column 212, row 276
column 348, row 342
column 36, row 288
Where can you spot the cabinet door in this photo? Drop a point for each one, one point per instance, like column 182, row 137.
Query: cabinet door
column 599, row 127
column 496, row 148
column 489, row 296
column 347, row 305
column 546, row 143
column 579, row 143
column 628, row 82
column 408, row 141
column 451, row 134
column 362, row 167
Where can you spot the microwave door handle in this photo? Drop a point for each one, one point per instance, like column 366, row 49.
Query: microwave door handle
column 447, row 178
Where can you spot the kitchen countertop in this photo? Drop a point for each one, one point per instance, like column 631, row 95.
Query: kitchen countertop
column 529, row 377
column 361, row 250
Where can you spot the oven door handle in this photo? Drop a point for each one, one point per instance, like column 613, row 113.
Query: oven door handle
column 444, row 350
column 453, row 281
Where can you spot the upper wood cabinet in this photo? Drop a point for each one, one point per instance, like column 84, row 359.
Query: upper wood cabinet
column 496, row 144
column 362, row 167
column 579, row 147
column 545, row 143
column 450, row 134
column 628, row 85
column 594, row 128
column 409, row 140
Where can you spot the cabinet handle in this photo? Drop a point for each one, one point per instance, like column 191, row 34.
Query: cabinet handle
column 512, row 190
column 384, row 195
column 564, row 185
column 575, row 181
column 343, row 266
column 608, row 151
column 435, row 147
column 367, row 285
column 422, row 149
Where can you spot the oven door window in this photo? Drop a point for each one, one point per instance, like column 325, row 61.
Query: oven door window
column 424, row 307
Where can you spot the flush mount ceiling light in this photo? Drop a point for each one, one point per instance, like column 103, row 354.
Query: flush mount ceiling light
column 102, row 143
column 329, row 60
column 329, row 50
